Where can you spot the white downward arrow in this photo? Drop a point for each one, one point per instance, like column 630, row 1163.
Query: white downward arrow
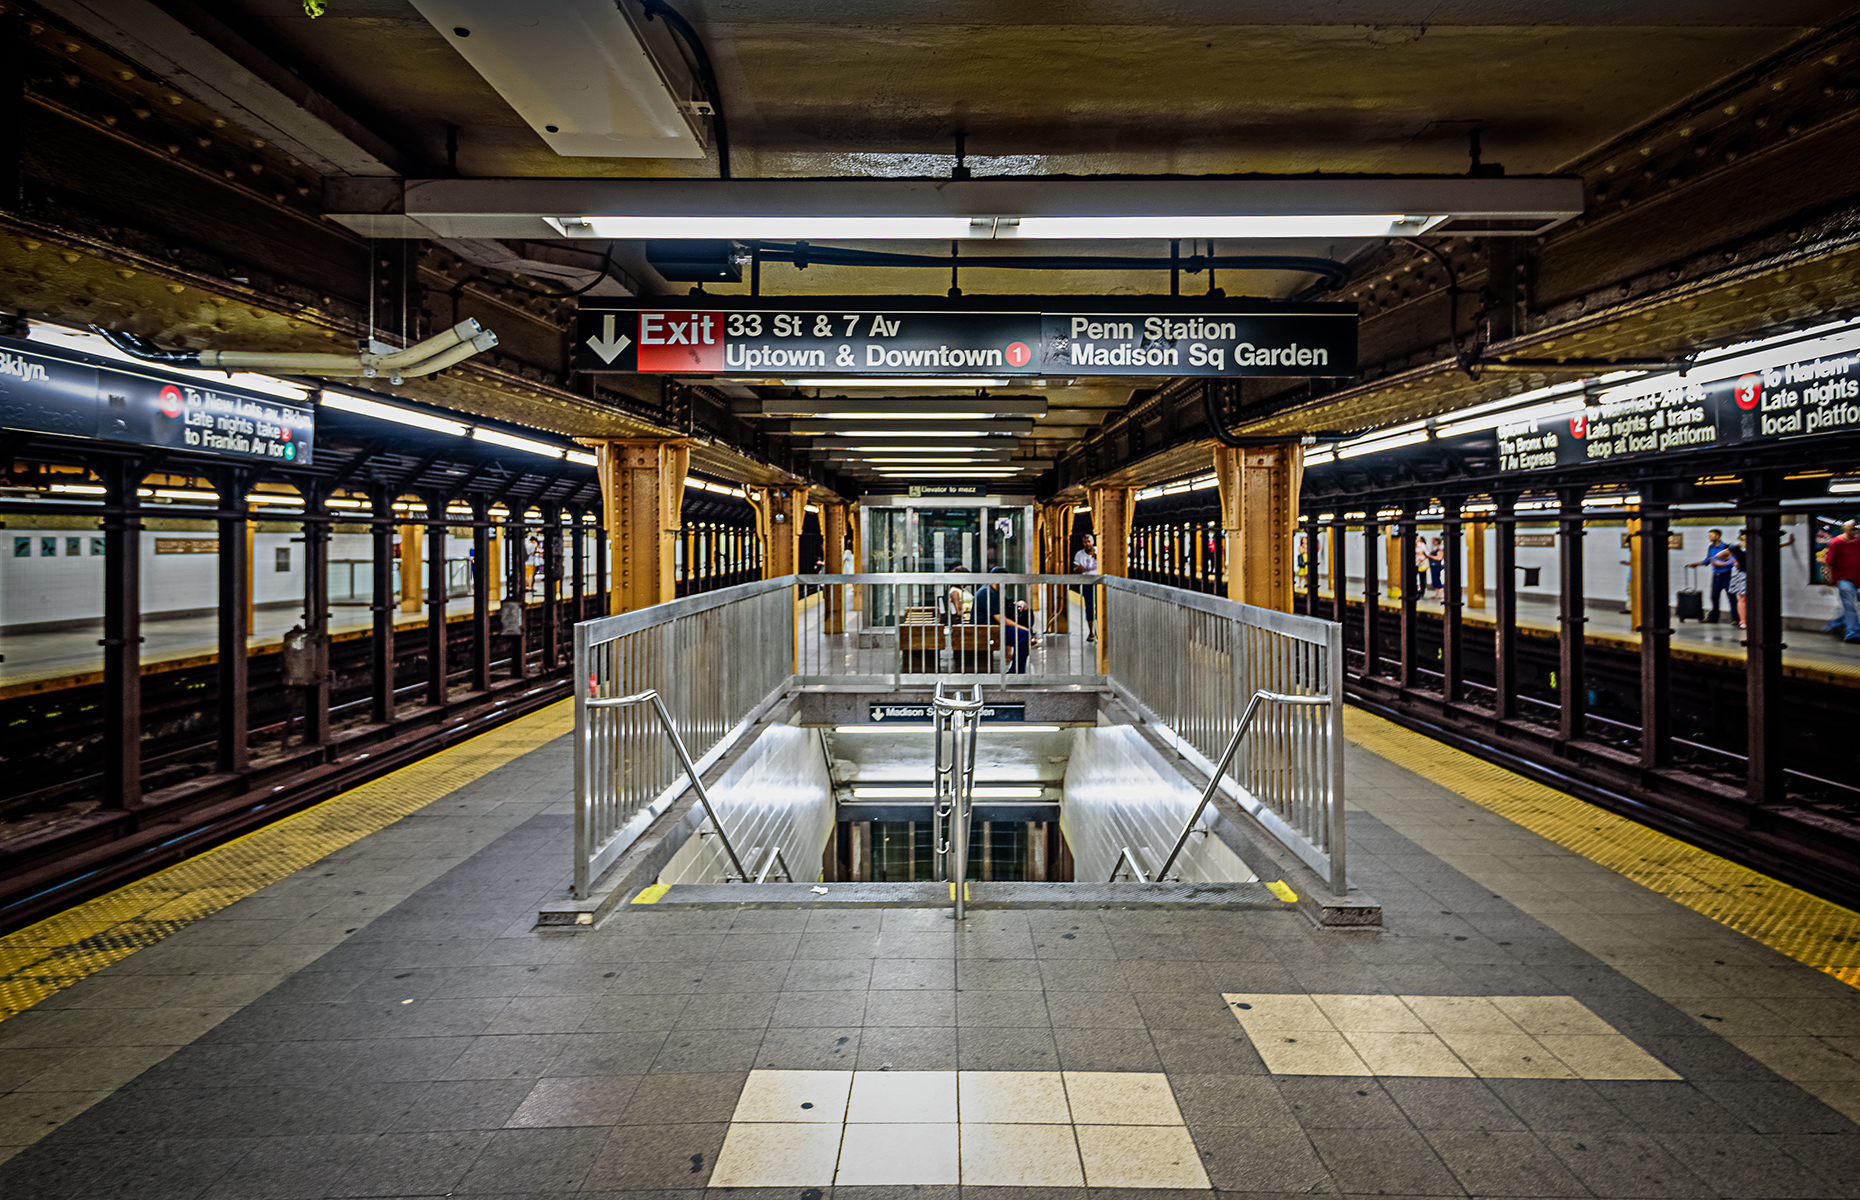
column 608, row 346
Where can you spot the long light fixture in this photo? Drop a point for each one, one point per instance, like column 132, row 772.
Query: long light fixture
column 345, row 402
column 981, row 792
column 1376, row 445
column 499, row 438
column 1053, row 228
column 890, row 727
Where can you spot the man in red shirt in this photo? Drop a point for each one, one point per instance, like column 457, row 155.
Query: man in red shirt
column 1842, row 563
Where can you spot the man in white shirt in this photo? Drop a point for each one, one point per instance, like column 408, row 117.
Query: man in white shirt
column 1085, row 562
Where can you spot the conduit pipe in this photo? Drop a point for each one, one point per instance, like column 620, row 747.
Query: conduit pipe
column 444, row 349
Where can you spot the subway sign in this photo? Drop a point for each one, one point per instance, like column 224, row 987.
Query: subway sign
column 858, row 338
column 1808, row 390
column 69, row 392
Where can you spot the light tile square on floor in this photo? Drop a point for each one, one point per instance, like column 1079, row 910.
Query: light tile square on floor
column 897, row 1154
column 1407, row 1054
column 1507, row 1056
column 1012, row 1098
column 807, row 1097
column 1538, row 1015
column 907, row 1097
column 1609, row 1056
column 1020, row 1156
column 1275, row 1011
column 1307, row 1052
column 1121, row 1098
column 778, row 1155
column 1461, row 1014
column 1370, row 1014
column 1140, row 1156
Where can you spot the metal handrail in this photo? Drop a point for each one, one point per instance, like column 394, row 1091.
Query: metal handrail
column 1136, row 864
column 1227, row 756
column 955, row 782
column 684, row 757
column 775, row 859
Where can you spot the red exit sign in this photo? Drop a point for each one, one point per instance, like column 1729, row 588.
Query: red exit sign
column 680, row 341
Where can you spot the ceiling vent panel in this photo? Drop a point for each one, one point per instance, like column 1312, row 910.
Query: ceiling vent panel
column 582, row 73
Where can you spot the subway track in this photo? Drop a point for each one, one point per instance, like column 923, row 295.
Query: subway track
column 58, row 845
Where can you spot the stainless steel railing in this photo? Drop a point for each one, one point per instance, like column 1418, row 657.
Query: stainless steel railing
column 954, row 722
column 715, row 660
column 1191, row 664
column 914, row 629
column 1194, row 665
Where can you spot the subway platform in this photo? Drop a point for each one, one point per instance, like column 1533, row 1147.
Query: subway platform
column 355, row 1002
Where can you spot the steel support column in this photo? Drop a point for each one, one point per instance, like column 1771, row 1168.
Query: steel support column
column 1572, row 679
column 481, row 580
column 513, row 614
column 1763, row 643
column 578, row 565
column 552, row 586
column 1339, row 567
column 233, row 712
column 1505, row 607
column 1656, row 659
column 1111, row 511
column 436, row 656
column 1452, row 643
column 1410, row 598
column 382, row 605
column 832, row 552
column 1259, row 512
column 122, row 634
column 1372, row 598
column 642, row 495
column 316, row 611
column 779, row 514
column 1313, row 535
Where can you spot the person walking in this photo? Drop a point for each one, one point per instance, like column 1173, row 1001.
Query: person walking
column 1720, row 563
column 1841, row 563
column 1085, row 562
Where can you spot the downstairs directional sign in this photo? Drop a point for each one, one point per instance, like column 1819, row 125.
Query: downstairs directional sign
column 860, row 337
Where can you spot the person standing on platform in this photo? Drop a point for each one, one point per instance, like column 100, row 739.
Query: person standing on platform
column 1734, row 556
column 1841, row 565
column 1720, row 574
column 1085, row 562
column 1437, row 571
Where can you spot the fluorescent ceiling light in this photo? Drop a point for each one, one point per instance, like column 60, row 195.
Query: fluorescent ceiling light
column 344, row 402
column 1356, row 449
column 498, row 438
column 80, row 489
column 267, row 498
column 894, row 726
column 981, row 792
column 944, row 228
column 1560, row 406
column 972, row 414
column 1367, row 225
column 582, row 457
column 340, row 503
column 1839, row 485
column 910, row 382
column 941, row 229
column 938, row 432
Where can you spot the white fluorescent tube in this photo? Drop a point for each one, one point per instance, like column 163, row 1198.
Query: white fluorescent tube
column 890, row 727
column 908, row 382
column 1293, row 226
column 176, row 494
column 1361, row 448
column 982, row 792
column 497, row 438
column 940, row 229
column 583, row 457
column 344, row 402
column 80, row 489
column 943, row 228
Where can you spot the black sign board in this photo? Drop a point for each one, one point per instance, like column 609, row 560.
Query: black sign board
column 804, row 336
column 81, row 395
column 1811, row 396
column 920, row 713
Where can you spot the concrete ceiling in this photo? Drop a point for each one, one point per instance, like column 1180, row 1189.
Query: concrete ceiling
column 1093, row 87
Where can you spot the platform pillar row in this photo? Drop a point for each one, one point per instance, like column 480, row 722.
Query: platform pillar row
column 642, row 497
column 1259, row 514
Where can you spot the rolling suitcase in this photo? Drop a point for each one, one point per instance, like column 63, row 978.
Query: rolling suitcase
column 1691, row 602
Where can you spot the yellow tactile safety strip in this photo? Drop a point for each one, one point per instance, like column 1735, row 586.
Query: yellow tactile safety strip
column 1807, row 928
column 59, row 951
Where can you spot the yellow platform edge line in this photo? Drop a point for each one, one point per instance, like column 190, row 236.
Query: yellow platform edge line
column 45, row 958
column 1813, row 931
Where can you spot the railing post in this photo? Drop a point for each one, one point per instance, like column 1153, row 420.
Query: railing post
column 584, row 685
column 1333, row 720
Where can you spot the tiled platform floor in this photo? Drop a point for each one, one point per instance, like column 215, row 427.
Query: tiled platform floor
column 383, row 1025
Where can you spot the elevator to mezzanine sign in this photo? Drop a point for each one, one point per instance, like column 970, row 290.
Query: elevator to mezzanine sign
column 1232, row 340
